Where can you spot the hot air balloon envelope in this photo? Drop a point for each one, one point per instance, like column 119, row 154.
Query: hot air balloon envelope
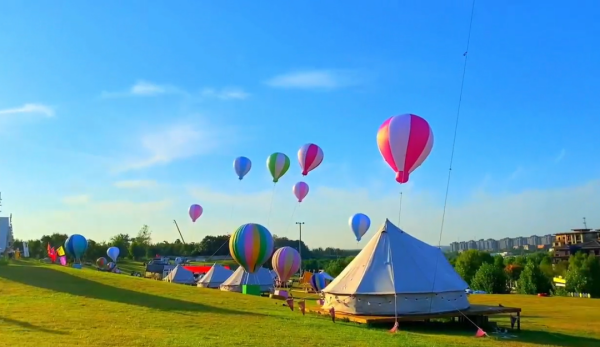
column 195, row 212
column 242, row 166
column 359, row 223
column 317, row 282
column 300, row 190
column 76, row 245
column 113, row 253
column 309, row 156
column 101, row 262
column 250, row 246
column 286, row 262
column 404, row 142
column 278, row 164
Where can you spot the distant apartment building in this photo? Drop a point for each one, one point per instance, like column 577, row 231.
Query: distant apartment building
column 492, row 245
column 577, row 240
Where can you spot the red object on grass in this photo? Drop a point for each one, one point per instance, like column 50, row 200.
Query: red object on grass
column 201, row 269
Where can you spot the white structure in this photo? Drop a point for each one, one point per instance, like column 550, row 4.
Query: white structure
column 6, row 234
column 215, row 277
column 180, row 275
column 240, row 277
column 25, row 249
column 396, row 273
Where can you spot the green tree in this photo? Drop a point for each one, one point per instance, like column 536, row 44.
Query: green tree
column 532, row 280
column 499, row 262
column 122, row 242
column 137, row 250
column 469, row 261
column 490, row 278
column 144, row 236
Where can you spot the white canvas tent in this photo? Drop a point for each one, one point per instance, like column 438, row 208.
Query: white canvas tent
column 180, row 275
column 240, row 277
column 396, row 272
column 215, row 277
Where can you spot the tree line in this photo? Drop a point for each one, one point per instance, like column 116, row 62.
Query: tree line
column 528, row 274
column 142, row 248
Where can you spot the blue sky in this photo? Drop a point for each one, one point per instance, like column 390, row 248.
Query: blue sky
column 124, row 114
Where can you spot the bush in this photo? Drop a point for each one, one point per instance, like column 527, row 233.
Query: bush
column 489, row 278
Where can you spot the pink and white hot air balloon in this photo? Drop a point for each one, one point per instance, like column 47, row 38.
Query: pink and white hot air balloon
column 195, row 212
column 309, row 156
column 300, row 189
column 405, row 141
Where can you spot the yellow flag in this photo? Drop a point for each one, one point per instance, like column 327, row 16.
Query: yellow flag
column 60, row 251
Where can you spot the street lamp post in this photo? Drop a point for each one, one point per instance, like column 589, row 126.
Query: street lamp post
column 300, row 224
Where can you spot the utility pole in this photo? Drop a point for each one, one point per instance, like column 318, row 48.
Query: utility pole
column 177, row 226
column 300, row 224
column 584, row 221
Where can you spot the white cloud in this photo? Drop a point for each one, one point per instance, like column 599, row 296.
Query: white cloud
column 225, row 94
column 76, row 199
column 149, row 89
column 314, row 79
column 178, row 141
column 560, row 156
column 135, row 184
column 144, row 89
column 43, row 110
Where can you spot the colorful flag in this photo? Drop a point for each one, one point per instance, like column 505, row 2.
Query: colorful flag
column 60, row 251
column 290, row 303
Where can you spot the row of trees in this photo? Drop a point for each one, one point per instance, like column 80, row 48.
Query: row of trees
column 142, row 248
column 528, row 274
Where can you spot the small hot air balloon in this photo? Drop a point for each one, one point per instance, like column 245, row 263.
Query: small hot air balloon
column 359, row 223
column 76, row 245
column 300, row 189
column 242, row 166
column 317, row 282
column 286, row 262
column 278, row 164
column 195, row 212
column 405, row 141
column 113, row 253
column 101, row 262
column 250, row 246
column 309, row 156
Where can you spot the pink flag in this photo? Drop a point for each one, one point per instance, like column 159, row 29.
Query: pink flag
column 302, row 305
column 332, row 314
column 394, row 328
column 290, row 303
column 63, row 261
column 480, row 333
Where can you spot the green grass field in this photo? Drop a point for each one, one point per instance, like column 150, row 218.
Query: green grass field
column 49, row 305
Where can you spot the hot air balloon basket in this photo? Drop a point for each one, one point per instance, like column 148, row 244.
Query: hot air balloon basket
column 251, row 289
column 77, row 266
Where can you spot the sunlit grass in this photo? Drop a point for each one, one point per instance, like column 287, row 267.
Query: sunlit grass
column 49, row 305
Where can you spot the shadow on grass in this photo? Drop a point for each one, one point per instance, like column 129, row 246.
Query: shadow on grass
column 29, row 326
column 59, row 281
column 543, row 338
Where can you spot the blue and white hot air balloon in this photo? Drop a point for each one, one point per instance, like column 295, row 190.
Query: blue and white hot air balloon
column 113, row 253
column 359, row 223
column 242, row 166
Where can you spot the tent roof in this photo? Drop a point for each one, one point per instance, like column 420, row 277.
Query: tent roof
column 395, row 262
column 216, row 274
column 240, row 277
column 180, row 275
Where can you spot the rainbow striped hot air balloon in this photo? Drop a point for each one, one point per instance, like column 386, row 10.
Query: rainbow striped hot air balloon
column 286, row 262
column 309, row 156
column 250, row 246
column 317, row 282
column 405, row 141
column 278, row 164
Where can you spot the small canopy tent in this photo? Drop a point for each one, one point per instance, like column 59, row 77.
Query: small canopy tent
column 240, row 277
column 180, row 275
column 397, row 273
column 215, row 277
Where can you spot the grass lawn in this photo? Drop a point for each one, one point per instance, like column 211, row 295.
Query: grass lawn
column 46, row 305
